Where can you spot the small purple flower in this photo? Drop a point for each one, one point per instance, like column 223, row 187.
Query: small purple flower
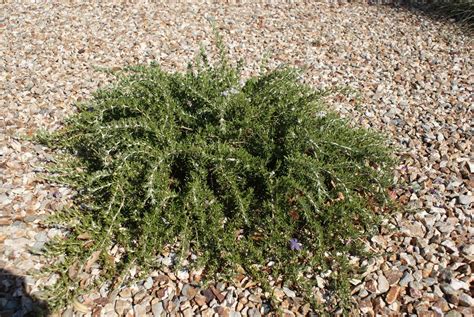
column 294, row 244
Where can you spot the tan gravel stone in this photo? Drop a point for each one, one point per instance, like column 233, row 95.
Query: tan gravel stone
column 200, row 299
column 392, row 294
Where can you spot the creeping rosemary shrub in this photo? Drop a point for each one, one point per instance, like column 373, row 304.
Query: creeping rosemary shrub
column 238, row 173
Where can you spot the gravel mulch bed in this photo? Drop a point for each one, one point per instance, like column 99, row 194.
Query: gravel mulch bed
column 414, row 81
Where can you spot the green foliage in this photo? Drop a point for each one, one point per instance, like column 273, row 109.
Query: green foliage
column 227, row 170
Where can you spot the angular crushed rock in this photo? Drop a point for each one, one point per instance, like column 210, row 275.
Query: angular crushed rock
column 412, row 79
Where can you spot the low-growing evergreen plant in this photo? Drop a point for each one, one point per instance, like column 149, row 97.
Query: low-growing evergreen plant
column 238, row 173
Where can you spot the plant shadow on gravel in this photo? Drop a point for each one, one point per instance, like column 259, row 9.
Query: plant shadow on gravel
column 254, row 177
column 460, row 11
column 15, row 300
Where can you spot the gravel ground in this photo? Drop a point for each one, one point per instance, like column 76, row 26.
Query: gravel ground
column 414, row 78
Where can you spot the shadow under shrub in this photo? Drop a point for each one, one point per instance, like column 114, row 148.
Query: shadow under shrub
column 237, row 173
column 462, row 11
